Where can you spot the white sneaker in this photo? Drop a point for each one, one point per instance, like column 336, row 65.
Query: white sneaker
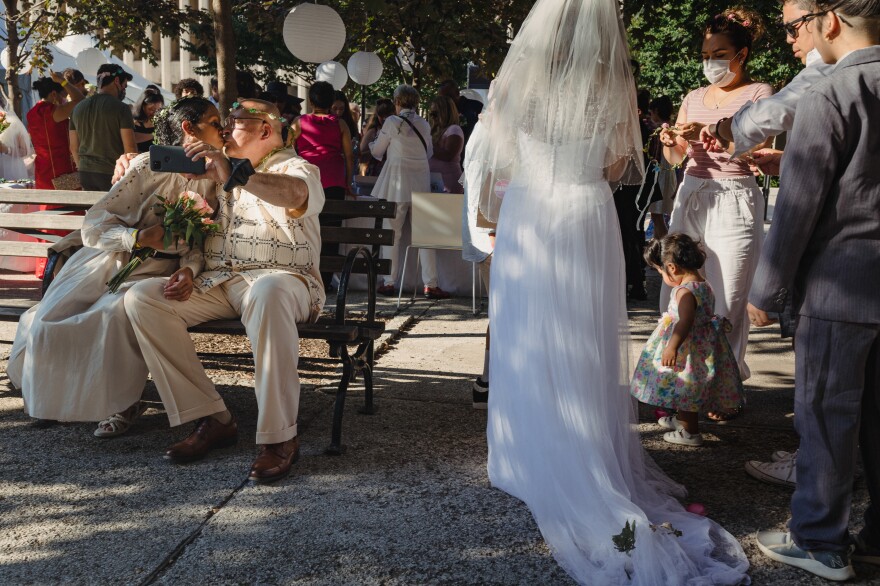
column 830, row 565
column 782, row 455
column 683, row 438
column 783, row 473
column 669, row 422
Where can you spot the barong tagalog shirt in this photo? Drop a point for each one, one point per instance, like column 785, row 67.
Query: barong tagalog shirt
column 257, row 238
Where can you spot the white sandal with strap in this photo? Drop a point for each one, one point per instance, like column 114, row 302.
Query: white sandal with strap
column 119, row 423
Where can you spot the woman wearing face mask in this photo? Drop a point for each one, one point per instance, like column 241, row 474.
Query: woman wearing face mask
column 719, row 202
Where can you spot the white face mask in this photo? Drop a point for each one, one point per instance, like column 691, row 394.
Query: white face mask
column 718, row 72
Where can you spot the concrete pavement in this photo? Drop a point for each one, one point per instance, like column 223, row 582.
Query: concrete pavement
column 409, row 503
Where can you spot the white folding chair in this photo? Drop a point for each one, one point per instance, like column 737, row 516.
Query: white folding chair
column 436, row 224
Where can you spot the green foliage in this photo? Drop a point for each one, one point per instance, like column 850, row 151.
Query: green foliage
column 444, row 37
column 665, row 37
column 116, row 28
column 625, row 541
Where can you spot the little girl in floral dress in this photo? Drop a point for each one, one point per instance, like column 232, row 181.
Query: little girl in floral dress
column 687, row 363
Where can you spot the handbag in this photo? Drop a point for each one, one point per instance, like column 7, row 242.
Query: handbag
column 67, row 181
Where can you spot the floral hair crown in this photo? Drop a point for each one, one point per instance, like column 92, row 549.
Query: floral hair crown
column 270, row 115
column 733, row 17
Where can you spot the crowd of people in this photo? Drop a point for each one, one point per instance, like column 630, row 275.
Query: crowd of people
column 565, row 170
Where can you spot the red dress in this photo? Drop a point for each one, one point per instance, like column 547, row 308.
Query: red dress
column 51, row 144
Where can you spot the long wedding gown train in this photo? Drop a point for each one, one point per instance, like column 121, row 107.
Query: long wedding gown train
column 562, row 435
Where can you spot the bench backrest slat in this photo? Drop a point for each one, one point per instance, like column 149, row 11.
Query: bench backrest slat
column 358, row 209
column 336, row 235
column 37, row 249
column 334, row 264
column 40, row 221
column 83, row 199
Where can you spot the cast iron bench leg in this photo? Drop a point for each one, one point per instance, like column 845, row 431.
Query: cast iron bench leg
column 336, row 448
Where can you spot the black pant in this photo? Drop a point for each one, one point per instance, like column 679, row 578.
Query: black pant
column 334, row 194
column 633, row 236
column 95, row 181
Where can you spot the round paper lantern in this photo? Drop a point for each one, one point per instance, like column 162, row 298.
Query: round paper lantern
column 365, row 68
column 89, row 60
column 333, row 72
column 314, row 33
column 23, row 67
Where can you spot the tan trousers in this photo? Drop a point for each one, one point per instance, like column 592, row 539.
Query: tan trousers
column 269, row 308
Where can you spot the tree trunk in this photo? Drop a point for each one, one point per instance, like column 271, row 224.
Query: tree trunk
column 12, row 43
column 226, row 83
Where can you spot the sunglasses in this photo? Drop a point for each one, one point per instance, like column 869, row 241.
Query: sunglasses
column 792, row 27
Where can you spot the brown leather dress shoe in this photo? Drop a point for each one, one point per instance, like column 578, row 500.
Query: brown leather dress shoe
column 275, row 461
column 208, row 435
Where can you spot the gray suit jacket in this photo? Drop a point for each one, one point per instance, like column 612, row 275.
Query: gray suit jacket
column 825, row 239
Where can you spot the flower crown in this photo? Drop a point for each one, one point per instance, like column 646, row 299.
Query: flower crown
column 270, row 115
column 733, row 17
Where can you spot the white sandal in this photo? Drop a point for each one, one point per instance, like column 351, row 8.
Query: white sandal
column 119, row 423
column 683, row 438
column 670, row 422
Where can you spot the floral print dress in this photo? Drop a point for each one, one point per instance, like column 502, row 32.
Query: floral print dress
column 705, row 376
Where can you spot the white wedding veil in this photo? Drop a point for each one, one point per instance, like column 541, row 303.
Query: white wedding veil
column 566, row 80
column 16, row 161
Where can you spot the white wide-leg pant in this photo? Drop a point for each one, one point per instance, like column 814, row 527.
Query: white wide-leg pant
column 727, row 215
column 427, row 258
column 269, row 308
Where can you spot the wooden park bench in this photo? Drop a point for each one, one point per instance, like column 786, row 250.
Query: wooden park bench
column 350, row 340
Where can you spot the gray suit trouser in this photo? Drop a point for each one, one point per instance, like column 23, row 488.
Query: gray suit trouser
column 837, row 411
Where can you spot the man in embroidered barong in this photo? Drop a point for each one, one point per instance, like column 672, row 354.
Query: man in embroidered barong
column 262, row 266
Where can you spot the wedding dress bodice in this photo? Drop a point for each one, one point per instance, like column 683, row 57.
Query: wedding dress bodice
column 574, row 163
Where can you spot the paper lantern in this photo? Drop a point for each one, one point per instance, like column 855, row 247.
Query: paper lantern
column 333, row 72
column 89, row 60
column 365, row 68
column 314, row 33
column 23, row 67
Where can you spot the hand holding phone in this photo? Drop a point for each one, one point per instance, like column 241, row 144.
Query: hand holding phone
column 173, row 159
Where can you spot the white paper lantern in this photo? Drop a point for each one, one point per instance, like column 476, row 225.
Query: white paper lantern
column 314, row 33
column 24, row 66
column 89, row 60
column 365, row 68
column 333, row 72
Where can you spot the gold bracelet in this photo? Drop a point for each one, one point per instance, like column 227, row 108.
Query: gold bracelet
column 64, row 82
column 136, row 246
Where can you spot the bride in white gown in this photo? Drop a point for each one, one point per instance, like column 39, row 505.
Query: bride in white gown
column 561, row 123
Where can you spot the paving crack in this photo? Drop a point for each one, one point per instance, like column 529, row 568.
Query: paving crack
column 175, row 554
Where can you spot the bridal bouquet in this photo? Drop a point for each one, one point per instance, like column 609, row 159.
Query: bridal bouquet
column 187, row 220
column 4, row 124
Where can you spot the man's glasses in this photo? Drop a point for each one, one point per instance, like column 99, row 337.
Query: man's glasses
column 792, row 27
column 232, row 120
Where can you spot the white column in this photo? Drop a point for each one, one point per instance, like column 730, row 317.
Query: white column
column 205, row 80
column 165, row 63
column 186, row 69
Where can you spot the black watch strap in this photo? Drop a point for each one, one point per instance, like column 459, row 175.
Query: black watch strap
column 241, row 172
